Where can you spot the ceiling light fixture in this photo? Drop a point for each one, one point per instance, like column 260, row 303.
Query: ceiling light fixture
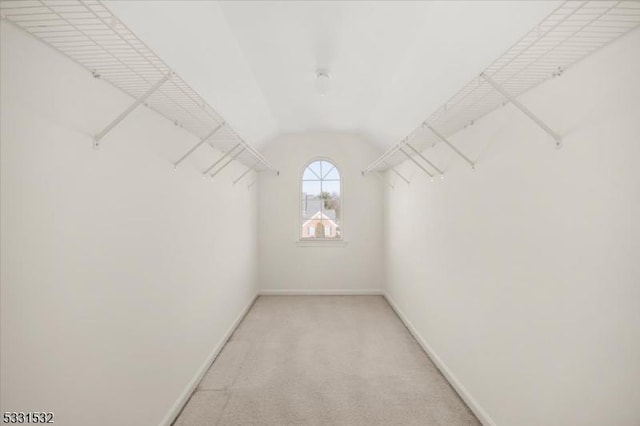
column 322, row 82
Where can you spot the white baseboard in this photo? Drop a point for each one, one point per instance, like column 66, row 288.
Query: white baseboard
column 173, row 413
column 322, row 292
column 480, row 413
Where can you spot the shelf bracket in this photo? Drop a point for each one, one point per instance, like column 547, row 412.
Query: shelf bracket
column 426, row 160
column 246, row 172
column 450, row 145
column 233, row 157
column 415, row 162
column 196, row 146
column 397, row 173
column 118, row 119
column 219, row 160
column 523, row 109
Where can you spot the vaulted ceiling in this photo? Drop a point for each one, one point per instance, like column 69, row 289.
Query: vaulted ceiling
column 391, row 63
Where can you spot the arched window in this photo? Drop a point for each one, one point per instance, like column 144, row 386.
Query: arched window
column 321, row 201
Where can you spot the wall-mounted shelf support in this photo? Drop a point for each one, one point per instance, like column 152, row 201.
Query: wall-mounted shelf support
column 523, row 109
column 245, row 172
column 133, row 106
column 425, row 159
column 233, row 157
column 196, row 146
column 406, row 154
column 450, row 145
column 397, row 173
column 219, row 160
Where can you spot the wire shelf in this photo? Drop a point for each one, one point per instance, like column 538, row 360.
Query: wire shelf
column 89, row 34
column 569, row 34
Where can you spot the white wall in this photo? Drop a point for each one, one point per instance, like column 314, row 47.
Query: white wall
column 119, row 277
column 286, row 265
column 524, row 276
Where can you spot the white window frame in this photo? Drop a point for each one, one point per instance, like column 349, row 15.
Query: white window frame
column 320, row 242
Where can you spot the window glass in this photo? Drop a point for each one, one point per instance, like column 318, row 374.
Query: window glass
column 321, row 201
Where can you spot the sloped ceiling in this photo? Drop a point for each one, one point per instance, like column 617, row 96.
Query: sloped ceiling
column 391, row 63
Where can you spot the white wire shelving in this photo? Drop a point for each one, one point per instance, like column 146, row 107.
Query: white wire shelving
column 570, row 33
column 92, row 36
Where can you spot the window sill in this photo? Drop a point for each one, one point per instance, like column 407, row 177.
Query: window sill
column 321, row 243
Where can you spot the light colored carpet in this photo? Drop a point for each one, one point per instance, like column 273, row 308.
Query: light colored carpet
column 323, row 360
